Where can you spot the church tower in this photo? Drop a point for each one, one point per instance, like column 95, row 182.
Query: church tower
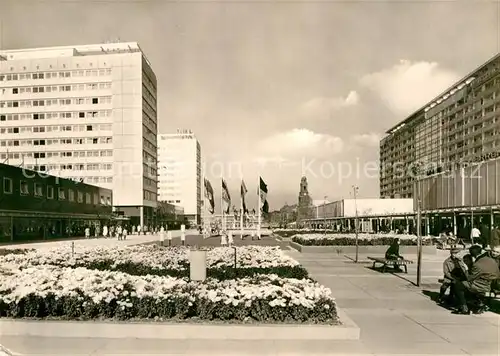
column 305, row 202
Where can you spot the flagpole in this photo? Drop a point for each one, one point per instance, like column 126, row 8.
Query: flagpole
column 259, row 207
column 223, row 224
column 241, row 209
column 204, row 225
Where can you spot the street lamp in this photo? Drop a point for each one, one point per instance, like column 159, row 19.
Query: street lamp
column 324, row 214
column 419, row 229
column 355, row 193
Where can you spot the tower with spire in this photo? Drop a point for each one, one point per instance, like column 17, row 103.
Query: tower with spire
column 305, row 202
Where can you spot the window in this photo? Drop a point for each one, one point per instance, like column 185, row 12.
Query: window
column 61, row 194
column 88, row 198
column 7, row 185
column 15, row 91
column 95, row 101
column 71, row 195
column 80, row 197
column 81, row 114
column 89, row 127
column 50, row 192
column 96, row 199
column 38, row 190
column 24, row 189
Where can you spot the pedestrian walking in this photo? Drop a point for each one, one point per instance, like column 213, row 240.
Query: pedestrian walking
column 223, row 239
column 87, row 232
column 162, row 235
column 105, row 231
column 119, row 232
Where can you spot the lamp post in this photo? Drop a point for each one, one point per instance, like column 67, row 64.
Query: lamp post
column 419, row 229
column 355, row 193
column 324, row 214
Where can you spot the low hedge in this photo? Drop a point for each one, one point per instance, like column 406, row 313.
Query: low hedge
column 222, row 273
column 347, row 241
column 14, row 251
column 168, row 308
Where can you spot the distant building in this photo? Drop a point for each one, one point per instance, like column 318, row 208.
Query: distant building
column 169, row 215
column 86, row 113
column 304, row 207
column 179, row 172
column 35, row 205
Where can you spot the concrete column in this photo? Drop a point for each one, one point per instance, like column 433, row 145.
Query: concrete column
column 370, row 230
column 427, row 226
column 141, row 217
column 455, row 224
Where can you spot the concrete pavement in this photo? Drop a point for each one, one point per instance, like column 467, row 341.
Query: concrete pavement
column 130, row 241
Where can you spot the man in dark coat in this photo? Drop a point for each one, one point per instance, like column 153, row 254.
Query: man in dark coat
column 483, row 272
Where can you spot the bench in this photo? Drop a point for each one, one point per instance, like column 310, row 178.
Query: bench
column 390, row 263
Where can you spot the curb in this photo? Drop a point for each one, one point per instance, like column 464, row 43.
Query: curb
column 177, row 331
column 6, row 352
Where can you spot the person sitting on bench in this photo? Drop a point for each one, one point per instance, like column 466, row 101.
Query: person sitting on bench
column 483, row 272
column 454, row 269
column 392, row 253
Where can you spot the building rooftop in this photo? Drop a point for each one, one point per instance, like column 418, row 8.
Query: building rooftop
column 72, row 51
column 444, row 95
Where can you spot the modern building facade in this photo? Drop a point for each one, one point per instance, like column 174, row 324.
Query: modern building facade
column 458, row 127
column 373, row 215
column 179, row 172
column 87, row 113
column 460, row 199
column 35, row 205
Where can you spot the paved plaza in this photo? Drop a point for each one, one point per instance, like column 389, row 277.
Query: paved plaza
column 395, row 317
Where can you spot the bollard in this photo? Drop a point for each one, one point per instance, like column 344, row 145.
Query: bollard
column 72, row 249
column 197, row 264
column 235, row 259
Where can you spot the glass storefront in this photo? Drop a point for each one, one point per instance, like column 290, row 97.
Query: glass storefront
column 21, row 228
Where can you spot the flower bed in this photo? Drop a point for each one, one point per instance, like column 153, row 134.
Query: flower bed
column 350, row 240
column 78, row 293
column 165, row 261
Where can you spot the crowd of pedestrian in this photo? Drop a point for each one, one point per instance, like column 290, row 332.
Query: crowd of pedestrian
column 120, row 231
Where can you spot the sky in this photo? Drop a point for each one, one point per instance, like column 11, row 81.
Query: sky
column 280, row 89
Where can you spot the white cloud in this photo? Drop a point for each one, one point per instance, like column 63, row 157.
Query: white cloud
column 370, row 139
column 407, row 86
column 324, row 106
column 299, row 143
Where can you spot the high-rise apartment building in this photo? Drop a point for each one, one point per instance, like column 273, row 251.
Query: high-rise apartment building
column 84, row 112
column 179, row 172
column 458, row 127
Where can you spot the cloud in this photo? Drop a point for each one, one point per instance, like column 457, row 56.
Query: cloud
column 299, row 143
column 370, row 139
column 322, row 106
column 407, row 86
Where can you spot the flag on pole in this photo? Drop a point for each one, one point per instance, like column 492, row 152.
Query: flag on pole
column 226, row 197
column 209, row 194
column 265, row 207
column 263, row 195
column 243, row 193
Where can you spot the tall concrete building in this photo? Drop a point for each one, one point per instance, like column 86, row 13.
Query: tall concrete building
column 87, row 113
column 179, row 172
column 457, row 128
